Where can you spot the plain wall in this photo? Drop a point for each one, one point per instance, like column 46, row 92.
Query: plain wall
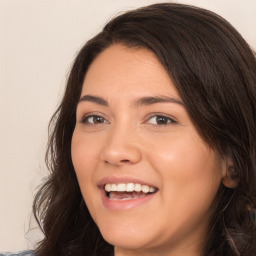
column 38, row 42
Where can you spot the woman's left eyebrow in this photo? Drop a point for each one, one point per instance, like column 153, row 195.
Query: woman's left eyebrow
column 156, row 99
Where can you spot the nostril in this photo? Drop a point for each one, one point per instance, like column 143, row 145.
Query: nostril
column 116, row 154
column 125, row 161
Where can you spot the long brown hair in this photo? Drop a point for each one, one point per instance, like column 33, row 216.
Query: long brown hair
column 214, row 71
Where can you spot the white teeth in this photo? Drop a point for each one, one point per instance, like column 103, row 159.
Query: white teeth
column 151, row 189
column 113, row 187
column 121, row 187
column 137, row 187
column 129, row 187
column 108, row 187
column 145, row 189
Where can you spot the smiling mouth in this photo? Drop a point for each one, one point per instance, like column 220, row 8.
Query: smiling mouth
column 127, row 191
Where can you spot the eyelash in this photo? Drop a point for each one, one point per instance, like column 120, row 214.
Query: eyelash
column 168, row 119
column 158, row 117
column 85, row 119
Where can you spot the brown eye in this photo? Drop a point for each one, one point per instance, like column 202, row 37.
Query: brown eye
column 94, row 119
column 161, row 120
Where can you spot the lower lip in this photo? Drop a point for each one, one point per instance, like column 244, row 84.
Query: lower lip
column 124, row 204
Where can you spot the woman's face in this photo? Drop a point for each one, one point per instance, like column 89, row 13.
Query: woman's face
column 134, row 138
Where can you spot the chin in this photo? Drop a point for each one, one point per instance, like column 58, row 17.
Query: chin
column 127, row 242
column 126, row 237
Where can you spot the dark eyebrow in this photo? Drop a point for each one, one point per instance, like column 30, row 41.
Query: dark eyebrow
column 144, row 101
column 156, row 99
column 94, row 99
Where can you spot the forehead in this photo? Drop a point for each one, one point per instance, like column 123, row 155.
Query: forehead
column 119, row 69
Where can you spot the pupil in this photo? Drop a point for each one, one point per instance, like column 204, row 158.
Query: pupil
column 161, row 120
column 98, row 119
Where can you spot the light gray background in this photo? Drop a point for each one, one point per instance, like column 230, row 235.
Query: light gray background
column 38, row 41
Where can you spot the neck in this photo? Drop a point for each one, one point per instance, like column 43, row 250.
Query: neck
column 191, row 250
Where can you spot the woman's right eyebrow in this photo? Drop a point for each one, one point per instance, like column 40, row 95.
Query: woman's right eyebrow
column 95, row 99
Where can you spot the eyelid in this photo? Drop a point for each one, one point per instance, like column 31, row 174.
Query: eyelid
column 171, row 118
column 93, row 114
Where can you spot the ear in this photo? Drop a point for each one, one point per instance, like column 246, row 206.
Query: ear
column 229, row 175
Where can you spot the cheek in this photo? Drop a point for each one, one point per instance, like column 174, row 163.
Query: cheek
column 184, row 157
column 84, row 153
column 84, row 157
column 190, row 172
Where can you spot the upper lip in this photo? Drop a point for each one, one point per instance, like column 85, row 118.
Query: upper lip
column 123, row 179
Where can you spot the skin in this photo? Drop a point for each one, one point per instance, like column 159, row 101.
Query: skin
column 128, row 141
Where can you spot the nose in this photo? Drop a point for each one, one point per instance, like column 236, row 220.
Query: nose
column 121, row 148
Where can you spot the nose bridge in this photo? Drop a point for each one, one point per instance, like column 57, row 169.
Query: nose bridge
column 121, row 145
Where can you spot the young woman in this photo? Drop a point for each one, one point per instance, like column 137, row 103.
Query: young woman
column 153, row 146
